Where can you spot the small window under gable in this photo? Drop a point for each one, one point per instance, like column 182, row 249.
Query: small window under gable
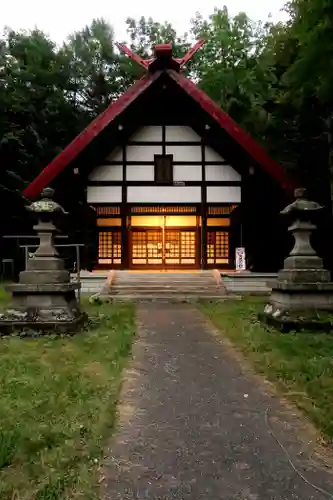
column 163, row 168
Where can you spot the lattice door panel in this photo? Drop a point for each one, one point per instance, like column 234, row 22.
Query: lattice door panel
column 172, row 247
column 217, row 247
column 188, row 244
column 180, row 247
column 147, row 247
column 109, row 247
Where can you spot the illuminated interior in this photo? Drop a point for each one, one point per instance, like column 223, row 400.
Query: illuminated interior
column 163, row 221
column 108, row 222
column 109, row 247
column 163, row 240
column 163, row 246
column 217, row 247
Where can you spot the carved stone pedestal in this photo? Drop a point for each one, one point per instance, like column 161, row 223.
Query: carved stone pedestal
column 44, row 299
column 303, row 294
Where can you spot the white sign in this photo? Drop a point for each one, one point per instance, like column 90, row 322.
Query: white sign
column 240, row 259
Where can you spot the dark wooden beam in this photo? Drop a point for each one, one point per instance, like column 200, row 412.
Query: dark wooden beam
column 186, row 163
column 163, row 139
column 203, row 207
column 170, row 184
column 164, row 142
column 123, row 211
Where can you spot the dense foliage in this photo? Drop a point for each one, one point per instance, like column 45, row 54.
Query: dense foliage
column 274, row 79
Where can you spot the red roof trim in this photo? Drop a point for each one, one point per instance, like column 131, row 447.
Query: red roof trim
column 144, row 63
column 60, row 162
column 235, row 131
column 191, row 52
column 115, row 109
column 163, row 49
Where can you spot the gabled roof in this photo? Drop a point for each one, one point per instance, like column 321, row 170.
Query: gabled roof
column 160, row 64
column 235, row 131
column 67, row 155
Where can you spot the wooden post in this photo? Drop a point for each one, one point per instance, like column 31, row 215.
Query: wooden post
column 123, row 214
column 203, row 208
column 78, row 272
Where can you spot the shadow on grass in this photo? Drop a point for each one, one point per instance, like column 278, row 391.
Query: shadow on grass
column 4, row 296
column 52, row 491
column 9, row 443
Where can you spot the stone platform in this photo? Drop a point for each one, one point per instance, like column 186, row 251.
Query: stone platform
column 248, row 282
column 170, row 286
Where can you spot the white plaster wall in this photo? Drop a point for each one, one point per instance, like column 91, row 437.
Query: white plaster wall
column 223, row 194
column 107, row 173
column 211, row 155
column 153, row 133
column 140, row 172
column 164, row 194
column 181, row 134
column 103, row 194
column 221, row 173
column 184, row 153
column 142, row 153
column 187, row 173
column 116, row 155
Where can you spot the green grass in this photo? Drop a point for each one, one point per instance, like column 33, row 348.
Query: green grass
column 301, row 364
column 4, row 297
column 57, row 407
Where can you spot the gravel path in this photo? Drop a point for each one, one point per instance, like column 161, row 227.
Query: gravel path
column 194, row 426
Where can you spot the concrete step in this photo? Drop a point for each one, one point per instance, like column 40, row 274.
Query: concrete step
column 166, row 274
column 152, row 277
column 247, row 290
column 245, row 283
column 188, row 293
column 155, row 286
column 248, row 275
column 86, row 287
column 168, row 298
column 201, row 293
column 91, row 280
column 89, row 288
column 241, row 286
column 162, row 279
column 170, row 275
column 91, row 277
column 91, row 285
column 165, row 285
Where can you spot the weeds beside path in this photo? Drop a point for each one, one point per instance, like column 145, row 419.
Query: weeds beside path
column 57, row 407
column 301, row 364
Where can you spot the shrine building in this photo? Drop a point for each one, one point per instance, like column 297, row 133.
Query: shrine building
column 169, row 179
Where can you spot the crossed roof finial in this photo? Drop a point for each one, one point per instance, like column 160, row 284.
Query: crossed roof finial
column 163, row 56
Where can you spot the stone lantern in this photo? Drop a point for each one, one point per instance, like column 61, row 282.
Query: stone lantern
column 303, row 290
column 44, row 298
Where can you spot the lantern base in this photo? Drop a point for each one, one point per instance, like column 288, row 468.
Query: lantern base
column 50, row 307
column 287, row 324
column 300, row 306
column 35, row 327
